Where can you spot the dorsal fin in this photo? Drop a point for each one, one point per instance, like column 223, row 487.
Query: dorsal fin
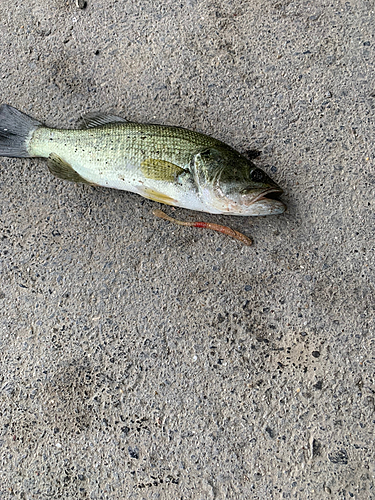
column 92, row 120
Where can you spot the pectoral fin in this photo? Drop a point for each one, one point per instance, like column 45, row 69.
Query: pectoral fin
column 60, row 168
column 160, row 170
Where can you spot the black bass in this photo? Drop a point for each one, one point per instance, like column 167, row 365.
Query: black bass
column 171, row 165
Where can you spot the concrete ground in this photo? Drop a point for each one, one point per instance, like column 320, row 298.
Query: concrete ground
column 140, row 360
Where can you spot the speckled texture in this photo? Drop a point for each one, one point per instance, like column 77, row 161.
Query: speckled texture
column 140, row 360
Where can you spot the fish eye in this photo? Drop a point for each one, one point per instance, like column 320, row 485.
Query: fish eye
column 257, row 175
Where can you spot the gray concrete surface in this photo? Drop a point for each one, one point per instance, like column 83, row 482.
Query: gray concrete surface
column 146, row 361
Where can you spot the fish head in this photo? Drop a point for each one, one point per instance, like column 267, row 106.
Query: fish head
column 231, row 184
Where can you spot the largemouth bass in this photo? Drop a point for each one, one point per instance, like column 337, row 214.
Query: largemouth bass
column 170, row 165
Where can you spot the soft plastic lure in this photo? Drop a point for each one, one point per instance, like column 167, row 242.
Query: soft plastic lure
column 206, row 225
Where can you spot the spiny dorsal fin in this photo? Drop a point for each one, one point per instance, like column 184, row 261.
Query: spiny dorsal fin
column 160, row 170
column 60, row 168
column 92, row 120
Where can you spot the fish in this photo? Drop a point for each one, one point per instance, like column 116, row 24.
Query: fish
column 167, row 164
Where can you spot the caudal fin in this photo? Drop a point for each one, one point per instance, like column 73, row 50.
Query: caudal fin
column 16, row 130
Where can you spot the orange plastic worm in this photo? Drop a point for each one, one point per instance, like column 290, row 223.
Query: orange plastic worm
column 206, row 225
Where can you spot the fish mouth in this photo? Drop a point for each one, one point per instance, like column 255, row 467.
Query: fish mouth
column 266, row 203
column 260, row 202
column 267, row 194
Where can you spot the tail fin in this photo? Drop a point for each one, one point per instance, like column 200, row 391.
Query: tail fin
column 16, row 129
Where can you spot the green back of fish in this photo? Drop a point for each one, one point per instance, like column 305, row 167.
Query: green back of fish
column 112, row 143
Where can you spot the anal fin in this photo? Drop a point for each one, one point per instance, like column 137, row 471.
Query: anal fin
column 62, row 169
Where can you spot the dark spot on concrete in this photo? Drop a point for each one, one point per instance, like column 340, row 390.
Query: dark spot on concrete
column 339, row 457
column 133, row 452
column 220, row 318
column 316, row 446
column 270, row 432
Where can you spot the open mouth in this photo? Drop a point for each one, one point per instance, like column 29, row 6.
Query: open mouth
column 268, row 194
